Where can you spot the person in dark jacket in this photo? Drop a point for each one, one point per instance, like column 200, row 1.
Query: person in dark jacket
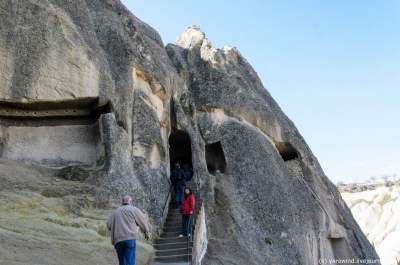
column 188, row 206
column 178, row 183
column 188, row 172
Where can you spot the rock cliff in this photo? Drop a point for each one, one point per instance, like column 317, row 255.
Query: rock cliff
column 93, row 106
column 376, row 207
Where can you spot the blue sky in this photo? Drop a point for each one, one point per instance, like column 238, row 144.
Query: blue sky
column 333, row 67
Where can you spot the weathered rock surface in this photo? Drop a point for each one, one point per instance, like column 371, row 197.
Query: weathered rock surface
column 89, row 96
column 273, row 203
column 49, row 220
column 376, row 208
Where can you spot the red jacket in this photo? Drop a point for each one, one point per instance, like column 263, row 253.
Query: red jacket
column 188, row 204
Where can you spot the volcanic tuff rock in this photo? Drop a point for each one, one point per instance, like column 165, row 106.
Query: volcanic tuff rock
column 93, row 106
column 376, row 207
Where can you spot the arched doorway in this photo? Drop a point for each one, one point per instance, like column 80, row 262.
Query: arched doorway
column 215, row 158
column 180, row 150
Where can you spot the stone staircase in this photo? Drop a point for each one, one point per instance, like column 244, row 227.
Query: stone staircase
column 169, row 247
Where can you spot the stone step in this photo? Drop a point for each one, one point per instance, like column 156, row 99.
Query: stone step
column 174, row 258
column 168, row 222
column 173, row 214
column 163, row 262
column 162, row 240
column 170, row 252
column 172, row 228
column 169, row 247
column 178, row 216
column 172, row 223
column 165, row 246
column 174, row 208
column 178, row 213
column 175, row 222
column 175, row 218
column 171, row 233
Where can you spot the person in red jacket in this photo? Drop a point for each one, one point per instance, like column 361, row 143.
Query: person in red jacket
column 187, row 212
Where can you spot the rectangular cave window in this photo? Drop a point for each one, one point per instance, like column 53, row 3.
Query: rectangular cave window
column 215, row 158
column 52, row 133
column 340, row 249
column 287, row 151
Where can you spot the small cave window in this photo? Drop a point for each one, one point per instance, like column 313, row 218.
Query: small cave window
column 180, row 150
column 215, row 158
column 340, row 248
column 287, row 151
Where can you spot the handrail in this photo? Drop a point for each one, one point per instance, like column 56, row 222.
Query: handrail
column 194, row 250
column 167, row 200
column 199, row 237
column 187, row 246
column 194, row 221
column 191, row 237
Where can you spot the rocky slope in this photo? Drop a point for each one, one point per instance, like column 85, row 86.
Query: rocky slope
column 47, row 219
column 376, row 207
column 93, row 106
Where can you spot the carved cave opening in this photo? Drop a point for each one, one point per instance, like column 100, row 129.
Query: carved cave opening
column 341, row 249
column 180, row 150
column 287, row 151
column 59, row 133
column 215, row 158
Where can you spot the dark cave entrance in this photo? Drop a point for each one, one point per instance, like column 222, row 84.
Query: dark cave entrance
column 215, row 158
column 180, row 150
column 287, row 151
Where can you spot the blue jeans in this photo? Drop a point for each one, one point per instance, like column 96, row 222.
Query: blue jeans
column 186, row 224
column 126, row 252
column 178, row 194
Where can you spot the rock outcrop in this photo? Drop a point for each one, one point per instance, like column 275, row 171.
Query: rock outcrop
column 93, row 106
column 376, row 208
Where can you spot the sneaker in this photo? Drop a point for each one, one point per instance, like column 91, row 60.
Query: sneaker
column 180, row 235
